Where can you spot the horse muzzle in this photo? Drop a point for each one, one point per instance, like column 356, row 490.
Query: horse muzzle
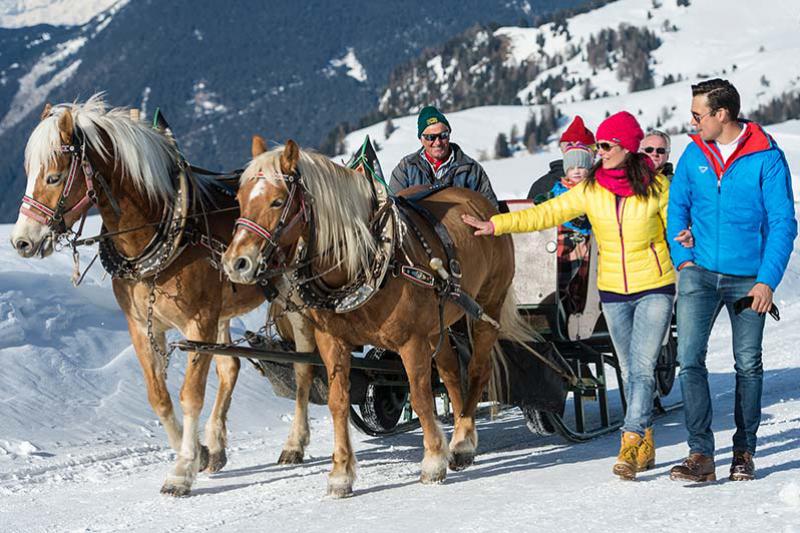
column 240, row 269
column 31, row 239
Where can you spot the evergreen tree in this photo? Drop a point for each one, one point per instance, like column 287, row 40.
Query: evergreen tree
column 501, row 149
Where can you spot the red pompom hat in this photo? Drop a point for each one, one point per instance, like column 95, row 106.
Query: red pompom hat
column 623, row 129
column 577, row 133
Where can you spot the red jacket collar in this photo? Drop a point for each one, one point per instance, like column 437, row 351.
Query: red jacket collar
column 755, row 139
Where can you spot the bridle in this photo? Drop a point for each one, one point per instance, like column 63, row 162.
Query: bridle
column 54, row 218
column 285, row 224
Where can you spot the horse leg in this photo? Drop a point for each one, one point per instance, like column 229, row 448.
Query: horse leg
column 336, row 355
column 153, row 369
column 463, row 442
column 484, row 336
column 182, row 475
column 416, row 356
column 212, row 456
column 298, row 439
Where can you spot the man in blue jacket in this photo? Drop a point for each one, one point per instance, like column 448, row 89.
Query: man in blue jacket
column 733, row 188
column 439, row 161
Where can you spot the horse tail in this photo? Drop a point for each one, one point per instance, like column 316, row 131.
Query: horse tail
column 513, row 327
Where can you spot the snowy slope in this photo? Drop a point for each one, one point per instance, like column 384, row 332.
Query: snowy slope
column 22, row 13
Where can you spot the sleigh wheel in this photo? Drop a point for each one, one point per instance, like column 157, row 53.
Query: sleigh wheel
column 383, row 405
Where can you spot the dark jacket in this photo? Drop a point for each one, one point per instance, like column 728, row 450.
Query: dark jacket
column 741, row 211
column 543, row 185
column 461, row 171
column 667, row 171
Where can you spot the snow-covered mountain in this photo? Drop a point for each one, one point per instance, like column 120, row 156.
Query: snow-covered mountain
column 759, row 58
column 23, row 13
column 219, row 73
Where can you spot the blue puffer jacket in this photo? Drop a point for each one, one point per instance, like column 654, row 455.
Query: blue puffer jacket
column 741, row 212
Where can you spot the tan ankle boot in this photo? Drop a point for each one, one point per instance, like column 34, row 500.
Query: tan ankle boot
column 626, row 465
column 646, row 457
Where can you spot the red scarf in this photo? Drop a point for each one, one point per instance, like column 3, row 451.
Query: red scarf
column 435, row 162
column 616, row 180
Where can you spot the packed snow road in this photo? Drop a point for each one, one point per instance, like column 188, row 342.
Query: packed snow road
column 519, row 482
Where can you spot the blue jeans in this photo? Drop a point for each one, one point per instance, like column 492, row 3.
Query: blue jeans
column 638, row 329
column 701, row 296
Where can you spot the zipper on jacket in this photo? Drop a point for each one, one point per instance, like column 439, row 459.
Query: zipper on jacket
column 620, row 207
column 655, row 256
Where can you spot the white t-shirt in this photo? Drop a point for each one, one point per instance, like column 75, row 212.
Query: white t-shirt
column 727, row 149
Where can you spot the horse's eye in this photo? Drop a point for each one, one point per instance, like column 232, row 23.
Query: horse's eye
column 52, row 179
column 277, row 203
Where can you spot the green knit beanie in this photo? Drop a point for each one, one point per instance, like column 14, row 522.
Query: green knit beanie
column 428, row 116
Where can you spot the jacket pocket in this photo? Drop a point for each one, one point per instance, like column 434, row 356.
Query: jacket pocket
column 655, row 256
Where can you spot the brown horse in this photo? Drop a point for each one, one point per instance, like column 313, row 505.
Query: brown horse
column 81, row 154
column 285, row 195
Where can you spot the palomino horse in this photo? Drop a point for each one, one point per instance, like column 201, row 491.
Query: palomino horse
column 81, row 154
column 291, row 199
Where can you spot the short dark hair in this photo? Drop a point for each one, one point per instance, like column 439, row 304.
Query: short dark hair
column 721, row 94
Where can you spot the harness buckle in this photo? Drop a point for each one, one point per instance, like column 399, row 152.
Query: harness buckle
column 455, row 268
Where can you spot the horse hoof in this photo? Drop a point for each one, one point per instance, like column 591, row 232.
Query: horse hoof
column 461, row 460
column 217, row 461
column 290, row 457
column 177, row 491
column 340, row 491
column 203, row 458
column 432, row 479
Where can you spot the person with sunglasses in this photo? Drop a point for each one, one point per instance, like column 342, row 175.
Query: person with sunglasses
column 733, row 187
column 626, row 202
column 656, row 144
column 439, row 162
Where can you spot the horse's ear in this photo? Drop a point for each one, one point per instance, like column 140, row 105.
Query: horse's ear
column 259, row 146
column 46, row 110
column 65, row 126
column 289, row 158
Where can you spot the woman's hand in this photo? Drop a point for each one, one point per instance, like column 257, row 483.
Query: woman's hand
column 484, row 227
column 686, row 238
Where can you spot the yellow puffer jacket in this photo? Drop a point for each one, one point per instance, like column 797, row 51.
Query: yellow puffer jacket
column 633, row 251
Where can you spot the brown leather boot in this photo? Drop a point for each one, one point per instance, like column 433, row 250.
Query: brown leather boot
column 742, row 467
column 646, row 457
column 697, row 467
column 626, row 465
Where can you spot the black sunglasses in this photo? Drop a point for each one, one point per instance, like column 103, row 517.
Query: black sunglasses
column 651, row 149
column 430, row 137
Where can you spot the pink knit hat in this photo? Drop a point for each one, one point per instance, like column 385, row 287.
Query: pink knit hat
column 623, row 129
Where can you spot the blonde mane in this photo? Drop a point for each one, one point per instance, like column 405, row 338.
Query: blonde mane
column 341, row 203
column 143, row 153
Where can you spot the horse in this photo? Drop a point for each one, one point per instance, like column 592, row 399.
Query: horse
column 295, row 200
column 158, row 242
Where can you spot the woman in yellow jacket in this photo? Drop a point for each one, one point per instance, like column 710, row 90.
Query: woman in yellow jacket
column 626, row 202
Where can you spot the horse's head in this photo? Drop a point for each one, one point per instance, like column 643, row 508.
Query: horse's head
column 56, row 195
column 273, row 213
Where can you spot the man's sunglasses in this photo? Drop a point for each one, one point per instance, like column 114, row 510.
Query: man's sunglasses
column 651, row 149
column 606, row 147
column 431, row 137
